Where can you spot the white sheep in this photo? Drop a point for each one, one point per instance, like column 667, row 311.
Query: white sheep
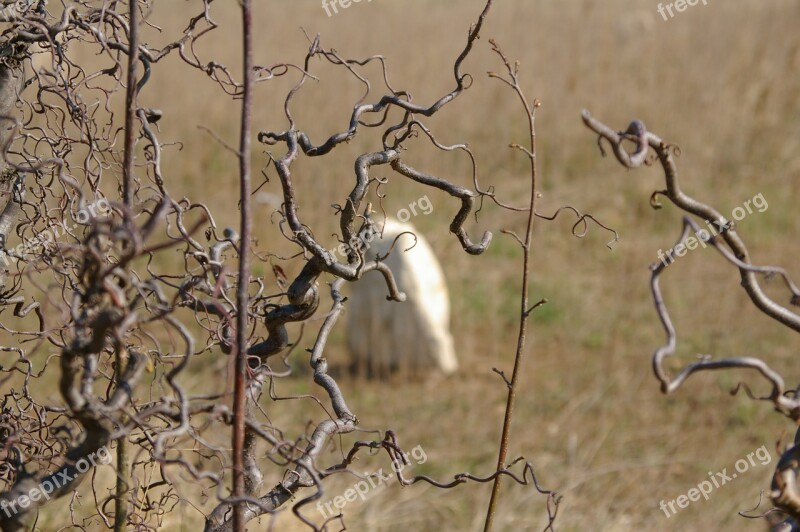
column 413, row 336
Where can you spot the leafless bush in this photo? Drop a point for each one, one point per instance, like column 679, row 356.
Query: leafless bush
column 785, row 493
column 119, row 313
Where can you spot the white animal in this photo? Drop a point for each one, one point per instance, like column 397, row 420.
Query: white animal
column 413, row 336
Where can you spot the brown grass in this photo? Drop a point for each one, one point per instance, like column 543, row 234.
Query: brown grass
column 719, row 80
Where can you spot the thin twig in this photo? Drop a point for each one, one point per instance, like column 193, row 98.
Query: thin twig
column 242, row 296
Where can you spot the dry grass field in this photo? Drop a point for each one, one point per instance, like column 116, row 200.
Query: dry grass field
column 721, row 80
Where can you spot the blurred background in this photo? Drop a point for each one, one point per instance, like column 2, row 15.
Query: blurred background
column 722, row 81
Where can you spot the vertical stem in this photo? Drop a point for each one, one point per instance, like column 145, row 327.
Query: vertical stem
column 523, row 318
column 239, row 398
column 123, row 465
column 123, row 478
column 130, row 103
